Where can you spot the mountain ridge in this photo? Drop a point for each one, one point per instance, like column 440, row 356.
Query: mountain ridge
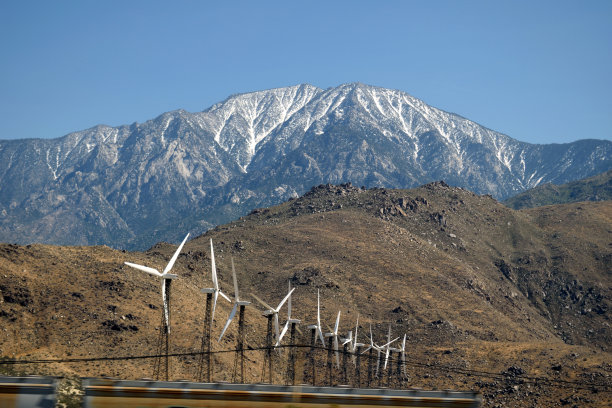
column 258, row 149
column 596, row 188
column 476, row 286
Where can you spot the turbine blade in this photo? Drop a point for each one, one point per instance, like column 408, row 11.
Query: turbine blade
column 229, row 320
column 276, row 325
column 386, row 359
column 356, row 326
column 321, row 336
column 176, row 254
column 225, row 296
column 387, row 344
column 404, row 343
column 146, row 269
column 264, row 304
column 213, row 266
column 337, row 323
column 284, row 300
column 282, row 334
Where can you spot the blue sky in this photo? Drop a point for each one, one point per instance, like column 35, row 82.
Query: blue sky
column 539, row 71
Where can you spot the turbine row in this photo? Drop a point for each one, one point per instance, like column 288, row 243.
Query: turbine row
column 333, row 335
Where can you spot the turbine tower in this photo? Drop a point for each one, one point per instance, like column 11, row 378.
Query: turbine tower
column 166, row 280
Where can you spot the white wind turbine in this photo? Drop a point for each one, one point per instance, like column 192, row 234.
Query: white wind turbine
column 274, row 311
column 348, row 340
column 402, row 352
column 373, row 346
column 335, row 335
column 378, row 348
column 166, row 276
column 355, row 345
column 387, row 347
column 237, row 302
column 215, row 289
column 317, row 326
column 289, row 319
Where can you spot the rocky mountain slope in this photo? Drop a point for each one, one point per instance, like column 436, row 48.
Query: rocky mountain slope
column 512, row 303
column 131, row 186
column 596, row 188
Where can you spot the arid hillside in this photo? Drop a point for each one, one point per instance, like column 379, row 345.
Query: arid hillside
column 514, row 304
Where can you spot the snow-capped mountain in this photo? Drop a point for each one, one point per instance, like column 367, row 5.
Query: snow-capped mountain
column 131, row 186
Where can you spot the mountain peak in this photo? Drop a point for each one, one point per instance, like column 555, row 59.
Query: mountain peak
column 105, row 185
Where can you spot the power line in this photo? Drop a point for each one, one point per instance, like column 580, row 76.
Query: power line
column 554, row 382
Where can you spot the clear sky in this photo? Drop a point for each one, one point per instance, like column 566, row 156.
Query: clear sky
column 539, row 71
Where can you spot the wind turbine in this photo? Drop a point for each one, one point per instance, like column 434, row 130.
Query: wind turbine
column 239, row 355
column 215, row 289
column 402, row 352
column 356, row 345
column 348, row 340
column 379, row 349
column 271, row 313
column 237, row 302
column 335, row 335
column 347, row 344
column 315, row 329
column 166, row 277
column 205, row 354
column 356, row 350
column 371, row 348
column 387, row 347
column 274, row 311
column 289, row 319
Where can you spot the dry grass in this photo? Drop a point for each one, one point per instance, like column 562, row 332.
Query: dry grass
column 475, row 285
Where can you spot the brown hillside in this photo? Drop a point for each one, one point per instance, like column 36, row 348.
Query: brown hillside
column 476, row 286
